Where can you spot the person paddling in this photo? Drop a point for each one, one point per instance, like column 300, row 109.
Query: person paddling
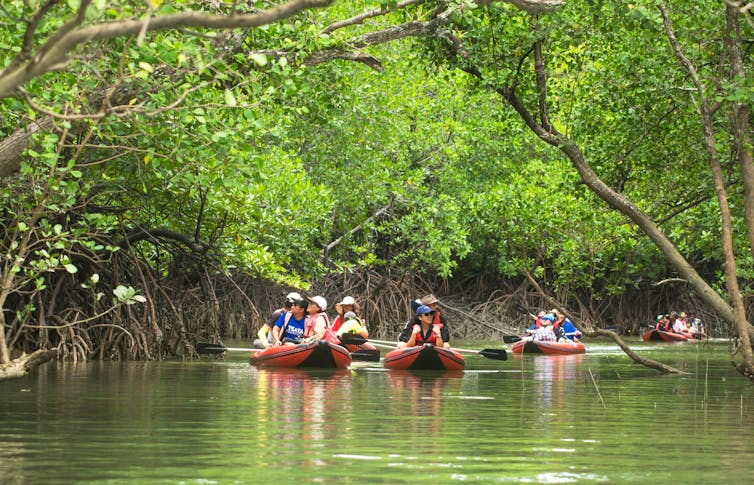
column 348, row 304
column 426, row 332
column 438, row 318
column 289, row 327
column 569, row 329
column 264, row 335
column 352, row 325
column 544, row 333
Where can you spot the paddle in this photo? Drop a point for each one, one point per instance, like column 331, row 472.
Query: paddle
column 495, row 354
column 366, row 355
column 509, row 339
column 214, row 349
column 524, row 310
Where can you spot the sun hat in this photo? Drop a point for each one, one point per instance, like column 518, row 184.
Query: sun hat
column 548, row 318
column 319, row 301
column 349, row 316
column 348, row 300
column 292, row 297
column 429, row 299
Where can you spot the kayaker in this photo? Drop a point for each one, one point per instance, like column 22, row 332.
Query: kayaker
column 317, row 324
column 569, row 329
column 264, row 335
column 406, row 330
column 537, row 322
column 695, row 325
column 352, row 324
column 289, row 326
column 348, row 304
column 544, row 333
column 426, row 331
column 677, row 324
column 438, row 318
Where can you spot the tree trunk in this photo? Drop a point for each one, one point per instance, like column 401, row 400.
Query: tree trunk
column 24, row 364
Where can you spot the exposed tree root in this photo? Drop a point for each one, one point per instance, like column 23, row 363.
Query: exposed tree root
column 26, row 363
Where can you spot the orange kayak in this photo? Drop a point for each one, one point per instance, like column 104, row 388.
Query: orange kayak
column 550, row 348
column 424, row 357
column 318, row 354
column 657, row 335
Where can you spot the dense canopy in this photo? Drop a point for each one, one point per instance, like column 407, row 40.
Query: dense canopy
column 152, row 148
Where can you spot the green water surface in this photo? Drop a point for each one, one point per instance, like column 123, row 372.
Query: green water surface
column 592, row 418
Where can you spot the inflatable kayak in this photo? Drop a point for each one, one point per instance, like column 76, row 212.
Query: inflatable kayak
column 424, row 357
column 550, row 348
column 319, row 354
column 661, row 335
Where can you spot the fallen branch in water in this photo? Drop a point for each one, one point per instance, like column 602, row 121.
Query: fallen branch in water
column 24, row 364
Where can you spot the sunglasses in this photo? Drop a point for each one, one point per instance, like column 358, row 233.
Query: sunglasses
column 424, row 314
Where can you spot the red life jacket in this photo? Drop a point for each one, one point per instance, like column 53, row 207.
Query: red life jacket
column 337, row 323
column 436, row 318
column 329, row 334
column 431, row 338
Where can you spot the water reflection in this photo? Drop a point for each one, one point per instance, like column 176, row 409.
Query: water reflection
column 417, row 398
column 553, row 378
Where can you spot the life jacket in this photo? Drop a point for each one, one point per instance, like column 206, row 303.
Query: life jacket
column 429, row 338
column 311, row 320
column 337, row 323
column 436, row 318
column 353, row 326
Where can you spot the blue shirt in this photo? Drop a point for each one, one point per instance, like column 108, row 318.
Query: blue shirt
column 295, row 328
column 571, row 331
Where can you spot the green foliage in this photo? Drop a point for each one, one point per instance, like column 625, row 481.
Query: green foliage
column 268, row 162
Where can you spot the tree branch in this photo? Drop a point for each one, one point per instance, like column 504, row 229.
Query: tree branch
column 54, row 52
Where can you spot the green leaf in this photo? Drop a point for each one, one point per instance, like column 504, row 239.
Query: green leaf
column 259, row 59
column 230, row 99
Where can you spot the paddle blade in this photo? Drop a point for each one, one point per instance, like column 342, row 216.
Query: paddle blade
column 496, row 354
column 524, row 310
column 509, row 339
column 352, row 339
column 210, row 349
column 366, row 355
column 520, row 308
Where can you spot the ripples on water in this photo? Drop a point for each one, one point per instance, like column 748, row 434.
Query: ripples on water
column 533, row 419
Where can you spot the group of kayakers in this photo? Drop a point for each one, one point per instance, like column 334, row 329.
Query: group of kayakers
column 303, row 318
column 552, row 326
column 681, row 323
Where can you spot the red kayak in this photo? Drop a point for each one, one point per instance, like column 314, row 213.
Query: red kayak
column 550, row 348
column 319, row 354
column 661, row 335
column 424, row 357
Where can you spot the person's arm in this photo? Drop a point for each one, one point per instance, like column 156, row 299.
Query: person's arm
column 262, row 334
column 412, row 339
column 277, row 330
column 445, row 334
column 438, row 336
column 276, row 337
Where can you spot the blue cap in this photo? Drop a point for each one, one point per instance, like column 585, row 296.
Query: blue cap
column 423, row 309
column 548, row 317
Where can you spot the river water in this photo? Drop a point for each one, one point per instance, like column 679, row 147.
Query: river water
column 586, row 418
